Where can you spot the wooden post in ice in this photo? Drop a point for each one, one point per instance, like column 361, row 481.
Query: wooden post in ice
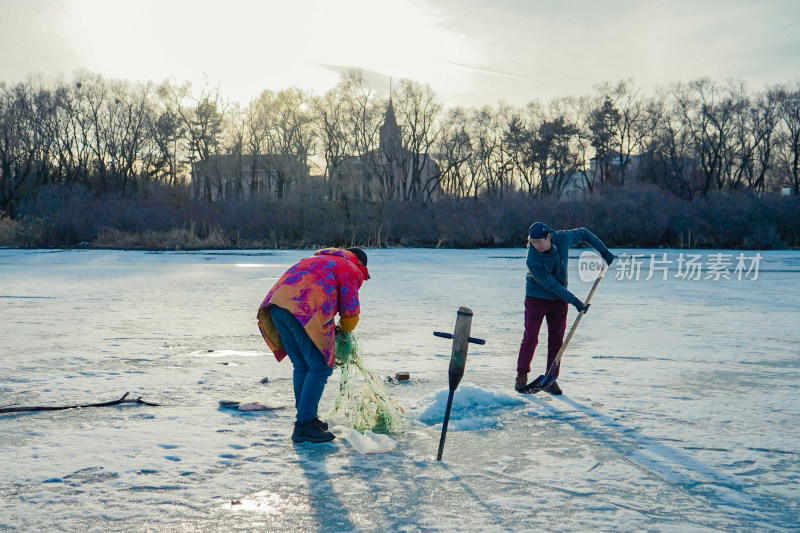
column 458, row 360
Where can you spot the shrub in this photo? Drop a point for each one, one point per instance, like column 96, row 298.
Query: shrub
column 8, row 231
column 164, row 217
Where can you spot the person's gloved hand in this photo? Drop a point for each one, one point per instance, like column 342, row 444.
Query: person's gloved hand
column 580, row 306
column 348, row 324
column 608, row 257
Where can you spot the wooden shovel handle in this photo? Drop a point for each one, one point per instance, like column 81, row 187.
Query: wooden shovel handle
column 575, row 324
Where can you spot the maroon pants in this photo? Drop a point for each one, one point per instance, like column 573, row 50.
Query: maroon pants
column 537, row 309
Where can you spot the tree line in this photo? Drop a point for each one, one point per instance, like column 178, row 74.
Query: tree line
column 122, row 151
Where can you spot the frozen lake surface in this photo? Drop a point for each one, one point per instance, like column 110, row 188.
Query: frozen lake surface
column 680, row 408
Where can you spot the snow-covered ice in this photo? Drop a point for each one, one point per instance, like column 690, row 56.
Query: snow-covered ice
column 679, row 411
column 366, row 442
column 473, row 408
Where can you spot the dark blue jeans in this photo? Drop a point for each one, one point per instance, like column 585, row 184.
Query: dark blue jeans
column 311, row 372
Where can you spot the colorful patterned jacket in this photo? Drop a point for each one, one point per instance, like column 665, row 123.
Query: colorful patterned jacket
column 314, row 290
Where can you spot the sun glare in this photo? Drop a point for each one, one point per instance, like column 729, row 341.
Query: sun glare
column 247, row 46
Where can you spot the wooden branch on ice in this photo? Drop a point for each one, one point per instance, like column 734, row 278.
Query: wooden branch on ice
column 61, row 408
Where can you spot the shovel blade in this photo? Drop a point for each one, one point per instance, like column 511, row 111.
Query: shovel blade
column 534, row 386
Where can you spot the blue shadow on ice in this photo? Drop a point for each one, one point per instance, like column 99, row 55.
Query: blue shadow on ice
column 661, row 461
column 329, row 509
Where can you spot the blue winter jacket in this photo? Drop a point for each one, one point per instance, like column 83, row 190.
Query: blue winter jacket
column 547, row 272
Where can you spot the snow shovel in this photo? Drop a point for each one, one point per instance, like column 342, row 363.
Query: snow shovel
column 544, row 381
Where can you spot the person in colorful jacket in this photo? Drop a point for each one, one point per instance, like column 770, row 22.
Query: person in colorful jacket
column 297, row 318
column 546, row 294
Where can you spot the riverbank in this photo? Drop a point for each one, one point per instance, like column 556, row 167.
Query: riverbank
column 633, row 218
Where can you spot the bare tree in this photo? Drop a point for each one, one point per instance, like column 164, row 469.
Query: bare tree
column 752, row 142
column 520, row 136
column 241, row 172
column 546, row 150
column 453, row 150
column 284, row 124
column 367, row 165
column 788, row 159
column 17, row 149
column 555, row 159
column 709, row 114
column 421, row 128
column 490, row 165
column 334, row 142
column 78, row 135
column 603, row 125
column 131, row 116
column 767, row 118
column 202, row 117
column 485, row 151
column 579, row 110
column 669, row 160
column 619, row 126
column 166, row 133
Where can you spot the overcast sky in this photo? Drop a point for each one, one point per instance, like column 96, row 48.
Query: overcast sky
column 472, row 52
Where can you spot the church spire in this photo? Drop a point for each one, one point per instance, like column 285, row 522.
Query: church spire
column 390, row 136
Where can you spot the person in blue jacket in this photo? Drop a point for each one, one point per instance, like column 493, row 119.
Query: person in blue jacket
column 546, row 294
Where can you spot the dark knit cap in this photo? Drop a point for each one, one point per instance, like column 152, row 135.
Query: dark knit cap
column 539, row 230
column 360, row 254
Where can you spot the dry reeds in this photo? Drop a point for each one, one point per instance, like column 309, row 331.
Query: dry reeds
column 172, row 239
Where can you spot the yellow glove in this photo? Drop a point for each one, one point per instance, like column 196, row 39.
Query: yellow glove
column 348, row 324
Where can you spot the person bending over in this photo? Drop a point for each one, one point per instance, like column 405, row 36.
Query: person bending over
column 297, row 318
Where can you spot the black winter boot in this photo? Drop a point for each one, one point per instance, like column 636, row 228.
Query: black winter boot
column 553, row 389
column 320, row 424
column 309, row 431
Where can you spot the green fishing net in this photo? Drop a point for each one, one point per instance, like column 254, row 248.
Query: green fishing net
column 363, row 402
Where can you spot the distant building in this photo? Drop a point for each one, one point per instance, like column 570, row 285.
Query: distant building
column 575, row 187
column 227, row 176
column 616, row 167
column 390, row 172
column 681, row 175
